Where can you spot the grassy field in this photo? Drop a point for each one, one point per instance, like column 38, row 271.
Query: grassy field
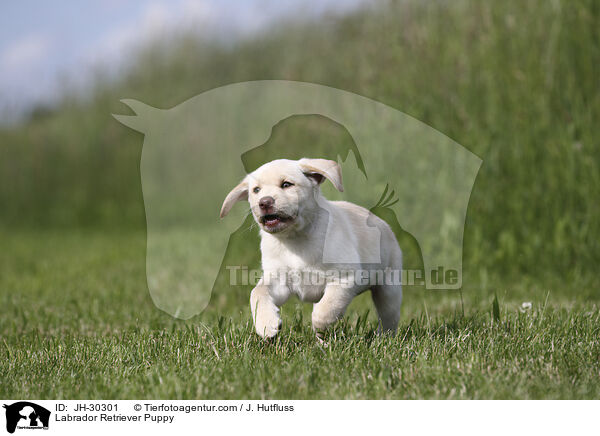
column 514, row 82
column 81, row 324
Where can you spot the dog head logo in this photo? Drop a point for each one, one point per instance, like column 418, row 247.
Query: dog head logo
column 26, row 415
column 191, row 160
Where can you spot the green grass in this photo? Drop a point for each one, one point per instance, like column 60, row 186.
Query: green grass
column 515, row 82
column 77, row 322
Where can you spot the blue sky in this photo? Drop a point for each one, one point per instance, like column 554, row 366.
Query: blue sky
column 46, row 46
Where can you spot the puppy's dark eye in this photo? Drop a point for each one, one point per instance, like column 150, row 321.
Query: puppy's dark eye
column 255, row 190
column 286, row 185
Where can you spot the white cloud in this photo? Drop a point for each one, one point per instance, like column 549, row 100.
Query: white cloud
column 198, row 10
column 153, row 20
column 25, row 53
column 156, row 21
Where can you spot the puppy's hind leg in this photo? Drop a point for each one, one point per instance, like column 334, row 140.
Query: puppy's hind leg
column 387, row 296
column 388, row 299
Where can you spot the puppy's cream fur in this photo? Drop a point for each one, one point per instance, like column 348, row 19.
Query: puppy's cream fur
column 302, row 231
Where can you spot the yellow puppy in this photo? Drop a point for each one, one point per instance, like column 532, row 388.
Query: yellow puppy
column 325, row 252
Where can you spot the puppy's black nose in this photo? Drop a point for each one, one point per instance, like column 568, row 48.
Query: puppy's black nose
column 266, row 203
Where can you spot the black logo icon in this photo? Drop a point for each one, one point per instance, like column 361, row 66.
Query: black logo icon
column 26, row 415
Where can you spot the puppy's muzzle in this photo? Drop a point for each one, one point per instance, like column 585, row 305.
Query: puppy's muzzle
column 266, row 204
column 272, row 220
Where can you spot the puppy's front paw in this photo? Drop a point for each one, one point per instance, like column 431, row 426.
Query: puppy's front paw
column 268, row 327
column 321, row 320
column 321, row 339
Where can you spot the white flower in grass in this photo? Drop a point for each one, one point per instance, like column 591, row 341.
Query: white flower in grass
column 525, row 306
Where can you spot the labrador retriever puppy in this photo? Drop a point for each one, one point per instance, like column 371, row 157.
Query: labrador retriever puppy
column 323, row 251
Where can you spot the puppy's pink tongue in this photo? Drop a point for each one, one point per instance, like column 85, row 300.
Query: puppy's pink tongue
column 271, row 222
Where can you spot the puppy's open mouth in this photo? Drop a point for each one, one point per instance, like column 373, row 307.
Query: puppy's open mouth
column 275, row 221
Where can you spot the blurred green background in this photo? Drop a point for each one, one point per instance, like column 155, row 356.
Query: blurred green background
column 516, row 83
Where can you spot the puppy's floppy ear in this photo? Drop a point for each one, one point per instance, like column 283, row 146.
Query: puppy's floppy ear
column 321, row 169
column 239, row 193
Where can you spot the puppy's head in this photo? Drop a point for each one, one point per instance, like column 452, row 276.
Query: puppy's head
column 282, row 193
